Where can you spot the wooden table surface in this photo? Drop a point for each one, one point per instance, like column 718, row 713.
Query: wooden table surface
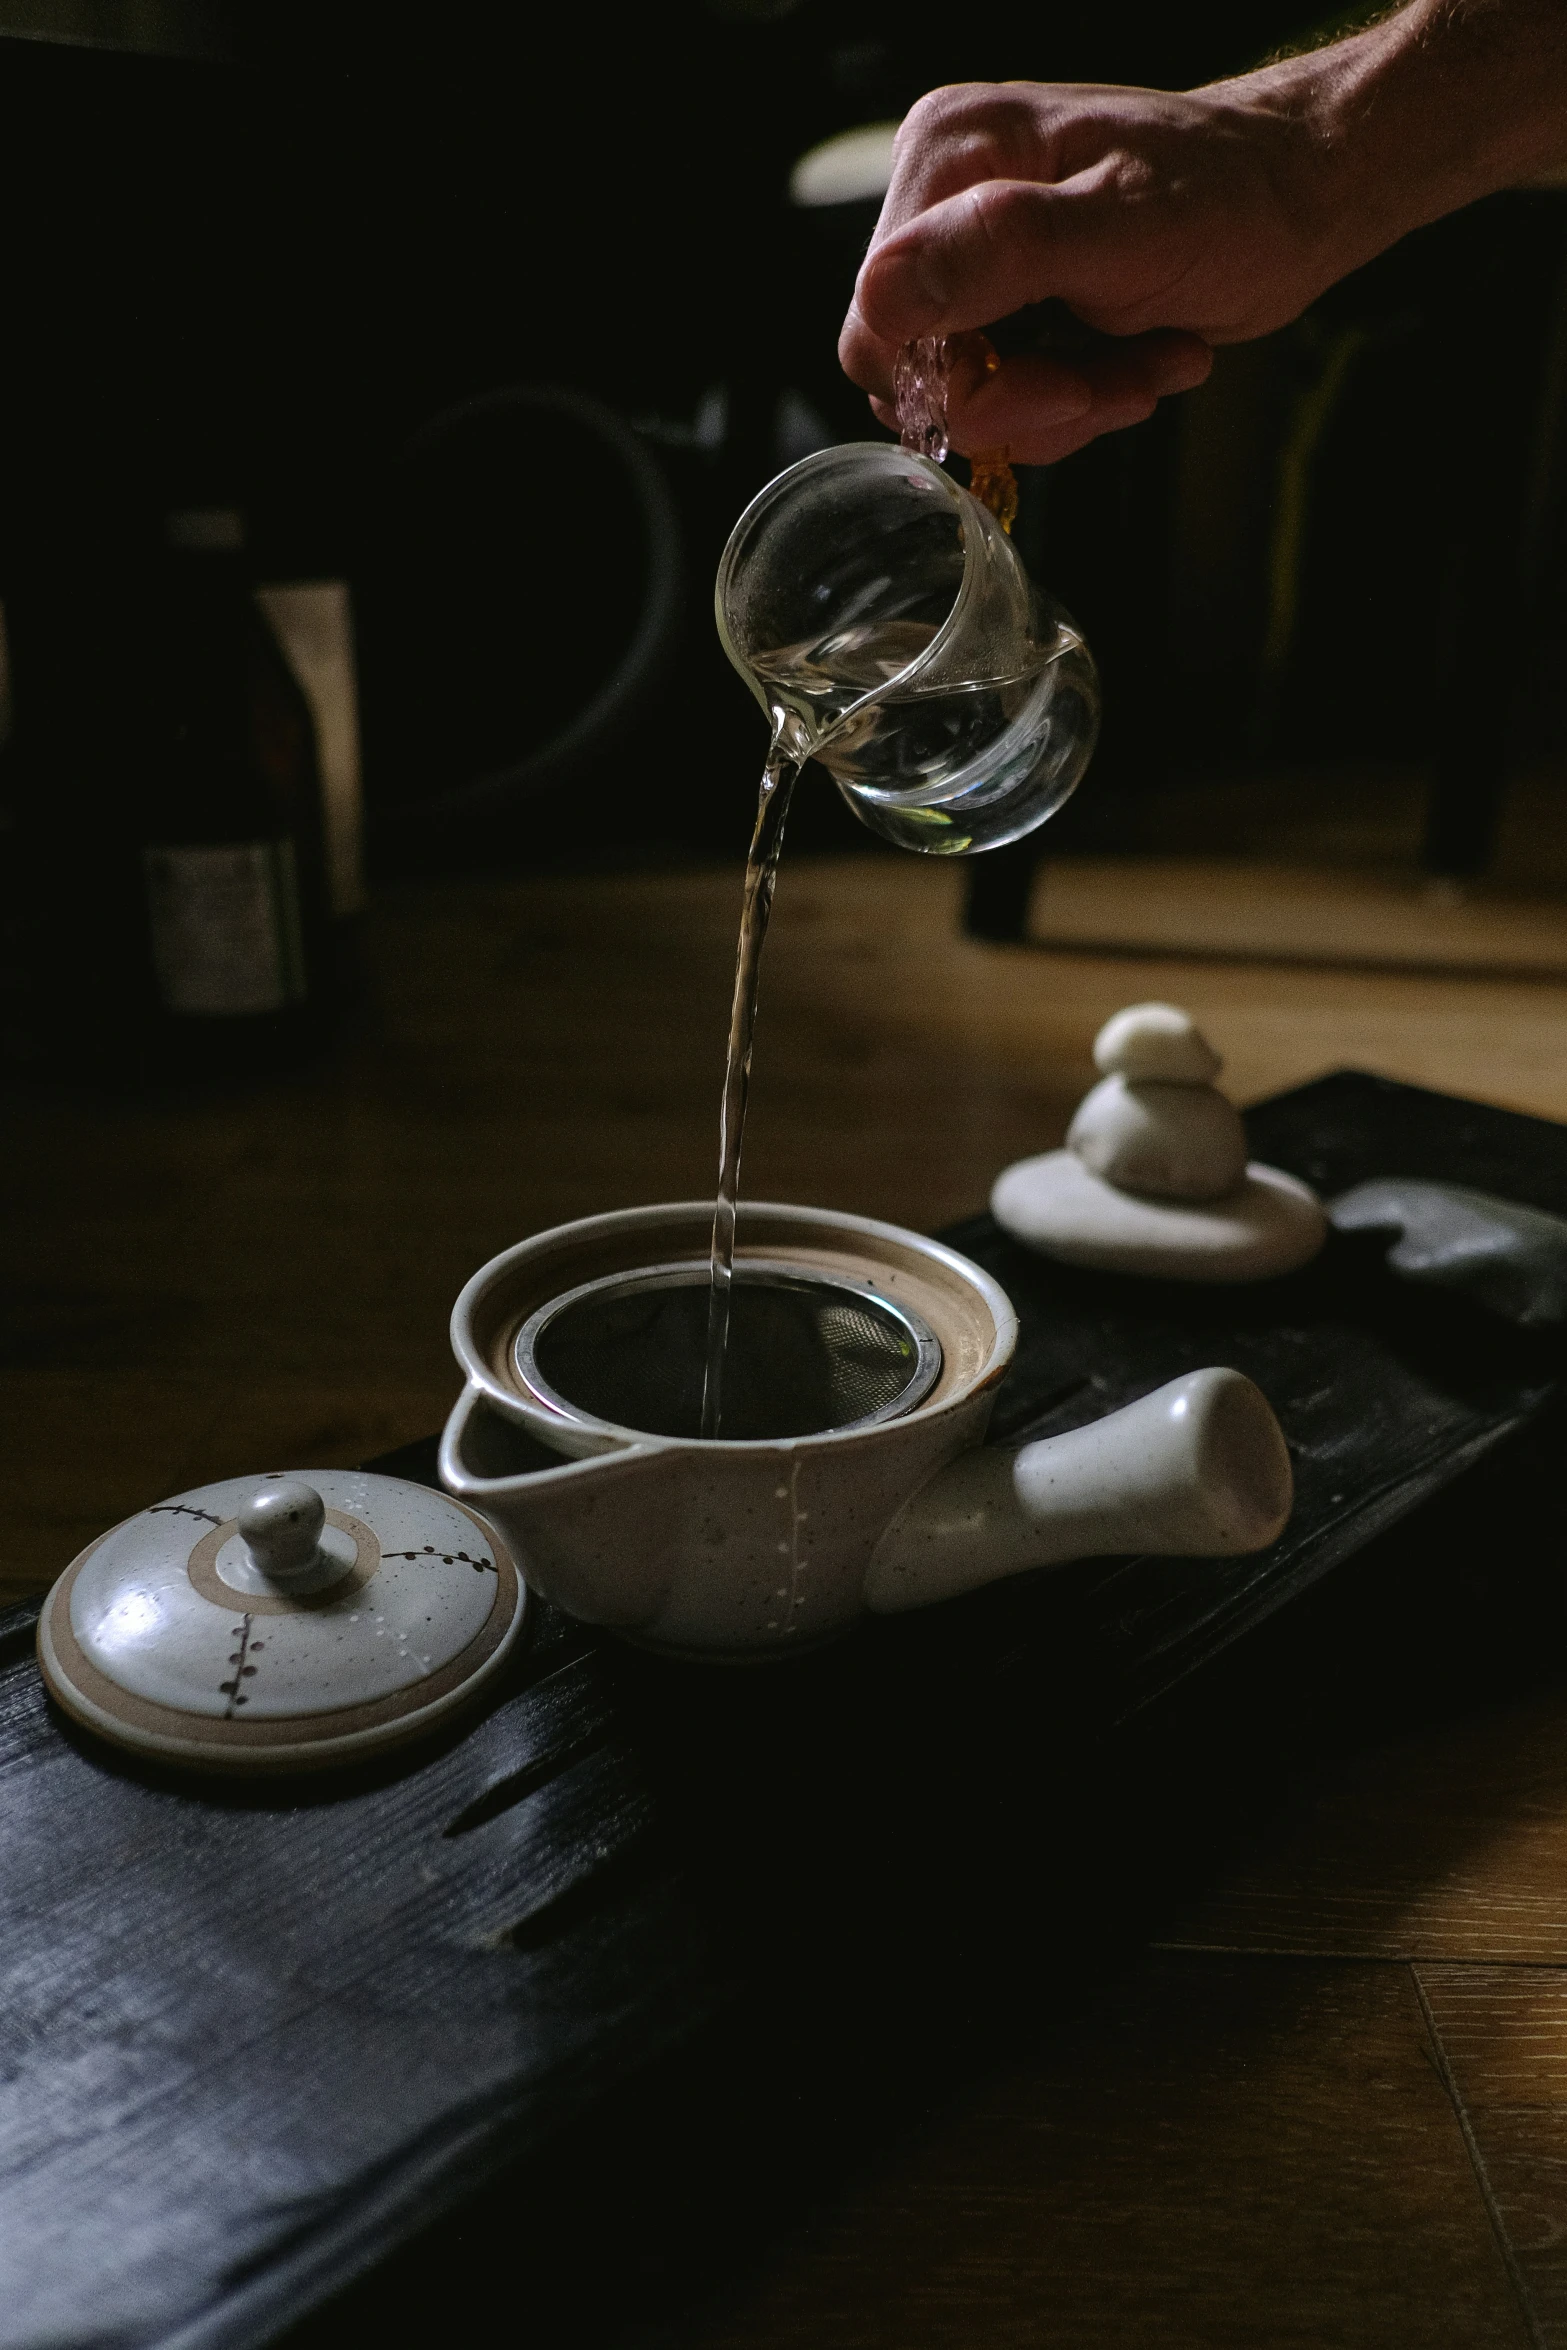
column 1327, row 2103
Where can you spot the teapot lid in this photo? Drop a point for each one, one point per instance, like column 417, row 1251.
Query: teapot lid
column 281, row 1622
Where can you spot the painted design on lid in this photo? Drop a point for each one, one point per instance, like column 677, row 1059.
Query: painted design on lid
column 286, row 1635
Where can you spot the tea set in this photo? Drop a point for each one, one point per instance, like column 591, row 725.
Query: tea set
column 303, row 1620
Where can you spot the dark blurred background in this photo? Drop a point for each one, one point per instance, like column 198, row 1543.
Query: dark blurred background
column 298, row 261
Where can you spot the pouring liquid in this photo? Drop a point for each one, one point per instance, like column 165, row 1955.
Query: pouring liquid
column 885, row 754
column 904, row 742
column 761, row 874
column 889, row 748
column 815, row 686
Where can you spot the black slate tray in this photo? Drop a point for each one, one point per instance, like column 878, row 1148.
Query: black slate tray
column 254, row 2041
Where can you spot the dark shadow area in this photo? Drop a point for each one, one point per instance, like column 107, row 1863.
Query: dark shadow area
column 677, row 1948
column 923, row 1854
column 983, row 1889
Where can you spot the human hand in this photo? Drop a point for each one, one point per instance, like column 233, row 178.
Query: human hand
column 1172, row 221
column 1168, row 222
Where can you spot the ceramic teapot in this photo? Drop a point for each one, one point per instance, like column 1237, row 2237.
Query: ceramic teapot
column 763, row 1545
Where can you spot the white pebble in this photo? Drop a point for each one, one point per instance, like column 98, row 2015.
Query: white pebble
column 1269, row 1225
column 1157, row 1041
column 1165, row 1141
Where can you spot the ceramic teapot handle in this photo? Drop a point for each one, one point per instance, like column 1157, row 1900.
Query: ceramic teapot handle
column 1197, row 1469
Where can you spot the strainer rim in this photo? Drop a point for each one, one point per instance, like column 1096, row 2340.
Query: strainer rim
column 689, row 1272
column 659, row 1220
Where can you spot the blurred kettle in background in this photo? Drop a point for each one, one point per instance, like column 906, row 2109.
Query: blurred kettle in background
column 522, row 607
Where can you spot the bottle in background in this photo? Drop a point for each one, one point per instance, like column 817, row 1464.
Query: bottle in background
column 16, row 1025
column 313, row 623
column 232, row 833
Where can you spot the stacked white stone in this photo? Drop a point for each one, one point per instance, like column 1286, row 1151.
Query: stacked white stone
column 1154, row 1177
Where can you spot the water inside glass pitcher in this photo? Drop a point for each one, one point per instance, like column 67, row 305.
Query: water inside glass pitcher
column 884, row 620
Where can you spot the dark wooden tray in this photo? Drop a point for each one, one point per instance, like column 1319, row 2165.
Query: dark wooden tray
column 257, row 2040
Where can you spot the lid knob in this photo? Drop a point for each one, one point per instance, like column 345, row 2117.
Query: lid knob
column 281, row 1524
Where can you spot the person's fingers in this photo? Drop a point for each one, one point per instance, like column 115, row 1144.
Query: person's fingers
column 1050, row 391
column 1040, row 409
column 986, row 408
column 1005, row 416
column 865, row 359
column 1001, row 245
column 1179, row 361
column 965, row 134
column 1145, row 367
column 1050, row 447
column 1037, row 408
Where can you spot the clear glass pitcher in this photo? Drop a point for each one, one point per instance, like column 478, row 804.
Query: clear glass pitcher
column 885, row 622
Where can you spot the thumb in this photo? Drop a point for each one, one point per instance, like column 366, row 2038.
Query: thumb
column 999, row 245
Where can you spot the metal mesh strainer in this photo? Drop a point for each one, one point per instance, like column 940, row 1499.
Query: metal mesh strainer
column 807, row 1352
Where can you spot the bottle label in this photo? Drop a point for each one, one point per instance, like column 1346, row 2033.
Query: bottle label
column 226, row 934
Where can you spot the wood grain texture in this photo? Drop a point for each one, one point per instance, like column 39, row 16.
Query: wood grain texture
column 1238, row 910
column 1241, row 2147
column 1504, row 2033
column 624, row 1856
column 181, row 2099
column 1241, row 2153
column 1503, row 2036
column 1451, row 1849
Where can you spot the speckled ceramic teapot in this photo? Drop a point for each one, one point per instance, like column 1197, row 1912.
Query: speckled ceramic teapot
column 762, row 1545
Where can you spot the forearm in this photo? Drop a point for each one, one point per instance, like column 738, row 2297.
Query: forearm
column 1172, row 222
column 1442, row 103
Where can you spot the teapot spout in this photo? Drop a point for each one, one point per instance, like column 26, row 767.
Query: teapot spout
column 1197, row 1469
column 597, row 1536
